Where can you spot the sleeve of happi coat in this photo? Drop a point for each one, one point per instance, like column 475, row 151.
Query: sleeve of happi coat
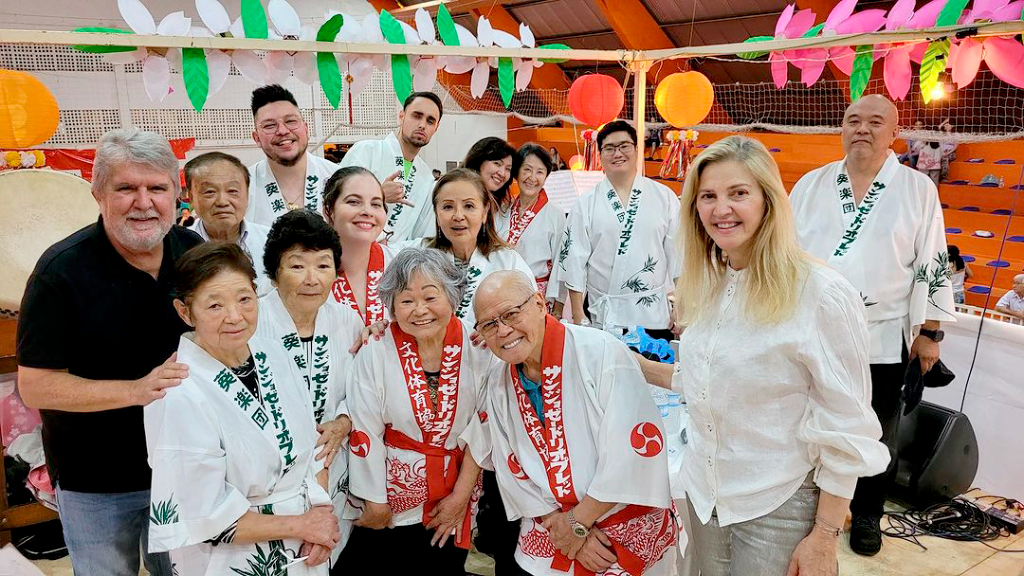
column 367, row 464
column 520, row 494
column 839, row 425
column 575, row 251
column 932, row 295
column 517, row 263
column 349, row 327
column 670, row 244
column 191, row 500
column 359, row 154
column 632, row 455
column 475, row 438
column 556, row 289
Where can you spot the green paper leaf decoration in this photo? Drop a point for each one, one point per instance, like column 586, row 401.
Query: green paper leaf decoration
column 933, row 63
column 401, row 76
column 446, row 27
column 861, row 71
column 329, row 31
column 506, row 80
column 951, row 12
column 814, row 31
column 327, row 64
column 755, row 55
column 103, row 49
column 401, row 72
column 330, row 77
column 553, row 47
column 196, row 76
column 254, row 19
column 391, row 29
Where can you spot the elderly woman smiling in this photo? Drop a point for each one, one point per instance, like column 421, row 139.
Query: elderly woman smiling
column 301, row 257
column 231, row 448
column 414, row 397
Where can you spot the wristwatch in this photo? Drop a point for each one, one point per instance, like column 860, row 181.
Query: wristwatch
column 936, row 335
column 578, row 529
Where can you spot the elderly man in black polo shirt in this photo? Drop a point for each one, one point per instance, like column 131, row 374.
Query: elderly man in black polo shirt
column 96, row 342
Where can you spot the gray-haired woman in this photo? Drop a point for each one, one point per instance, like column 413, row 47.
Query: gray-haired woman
column 414, row 397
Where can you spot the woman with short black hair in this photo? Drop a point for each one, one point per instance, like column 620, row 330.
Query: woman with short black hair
column 232, row 447
column 533, row 226
column 301, row 257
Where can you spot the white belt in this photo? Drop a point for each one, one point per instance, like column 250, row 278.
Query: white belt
column 606, row 315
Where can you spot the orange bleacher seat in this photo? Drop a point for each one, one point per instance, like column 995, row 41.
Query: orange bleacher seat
column 971, row 221
column 986, row 199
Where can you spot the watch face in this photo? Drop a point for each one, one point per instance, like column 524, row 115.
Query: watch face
column 939, row 335
column 580, row 530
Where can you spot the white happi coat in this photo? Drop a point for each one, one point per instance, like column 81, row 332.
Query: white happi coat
column 378, row 395
column 623, row 255
column 614, row 439
column 539, row 246
column 342, row 299
column 335, row 331
column 252, row 239
column 267, row 203
column 217, row 453
column 384, row 157
column 892, row 247
column 479, row 267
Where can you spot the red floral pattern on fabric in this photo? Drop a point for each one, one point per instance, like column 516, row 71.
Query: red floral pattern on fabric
column 537, row 544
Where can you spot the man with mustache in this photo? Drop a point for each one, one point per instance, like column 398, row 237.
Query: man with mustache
column 406, row 178
column 289, row 178
column 879, row 223
column 95, row 320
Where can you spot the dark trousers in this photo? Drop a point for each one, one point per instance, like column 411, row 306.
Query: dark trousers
column 886, row 392
column 496, row 535
column 399, row 550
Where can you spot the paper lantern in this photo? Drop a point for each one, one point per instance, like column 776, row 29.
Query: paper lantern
column 28, row 112
column 684, row 98
column 576, row 163
column 595, row 99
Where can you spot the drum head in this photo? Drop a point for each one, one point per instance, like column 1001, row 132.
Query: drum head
column 38, row 208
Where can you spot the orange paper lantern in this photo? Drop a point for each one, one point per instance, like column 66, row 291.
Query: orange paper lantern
column 684, row 98
column 595, row 99
column 576, row 162
column 28, row 112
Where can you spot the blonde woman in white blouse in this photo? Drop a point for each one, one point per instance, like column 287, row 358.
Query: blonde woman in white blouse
column 773, row 366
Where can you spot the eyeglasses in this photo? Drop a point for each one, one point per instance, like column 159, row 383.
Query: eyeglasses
column 270, row 126
column 623, row 147
column 510, row 318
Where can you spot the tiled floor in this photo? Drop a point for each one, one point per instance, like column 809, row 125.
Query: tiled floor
column 897, row 558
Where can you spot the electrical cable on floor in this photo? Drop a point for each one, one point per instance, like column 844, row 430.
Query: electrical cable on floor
column 957, row 519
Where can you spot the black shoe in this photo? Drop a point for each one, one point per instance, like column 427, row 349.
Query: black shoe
column 866, row 535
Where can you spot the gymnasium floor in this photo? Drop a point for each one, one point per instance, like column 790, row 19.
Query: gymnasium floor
column 897, row 558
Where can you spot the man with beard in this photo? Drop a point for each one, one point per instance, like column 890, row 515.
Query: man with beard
column 290, row 177
column 95, row 320
column 406, row 177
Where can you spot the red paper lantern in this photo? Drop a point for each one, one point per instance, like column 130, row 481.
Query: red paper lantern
column 595, row 99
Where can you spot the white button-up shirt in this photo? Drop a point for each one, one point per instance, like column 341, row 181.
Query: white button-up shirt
column 768, row 403
column 253, row 239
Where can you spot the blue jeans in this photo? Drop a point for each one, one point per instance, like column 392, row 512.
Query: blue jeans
column 106, row 533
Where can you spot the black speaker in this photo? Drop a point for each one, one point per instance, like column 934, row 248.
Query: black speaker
column 938, row 455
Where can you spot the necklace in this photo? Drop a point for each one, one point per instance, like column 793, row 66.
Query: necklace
column 246, row 369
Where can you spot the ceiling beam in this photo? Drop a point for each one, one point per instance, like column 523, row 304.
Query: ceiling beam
column 637, row 29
